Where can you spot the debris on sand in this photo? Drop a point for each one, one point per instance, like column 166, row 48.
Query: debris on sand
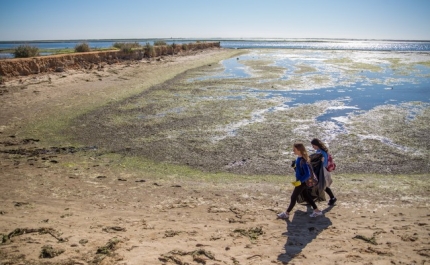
column 253, row 233
column 48, row 252
column 199, row 256
column 110, row 246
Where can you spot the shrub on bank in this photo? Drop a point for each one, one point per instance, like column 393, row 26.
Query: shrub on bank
column 126, row 47
column 159, row 48
column 82, row 47
column 160, row 43
column 149, row 50
column 25, row 51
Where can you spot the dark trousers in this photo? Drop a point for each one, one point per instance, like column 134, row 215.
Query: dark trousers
column 296, row 192
column 329, row 192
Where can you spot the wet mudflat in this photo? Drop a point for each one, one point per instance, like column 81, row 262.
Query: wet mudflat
column 244, row 114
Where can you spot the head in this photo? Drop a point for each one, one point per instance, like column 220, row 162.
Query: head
column 300, row 150
column 317, row 144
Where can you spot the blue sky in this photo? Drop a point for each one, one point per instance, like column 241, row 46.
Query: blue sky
column 107, row 19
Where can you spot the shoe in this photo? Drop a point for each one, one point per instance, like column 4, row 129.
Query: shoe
column 332, row 201
column 283, row 215
column 315, row 214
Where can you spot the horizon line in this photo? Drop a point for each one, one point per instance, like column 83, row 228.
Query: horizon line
column 213, row 38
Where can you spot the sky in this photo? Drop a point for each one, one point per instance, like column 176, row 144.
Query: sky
column 204, row 19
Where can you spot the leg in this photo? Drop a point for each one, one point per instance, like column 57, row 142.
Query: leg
column 294, row 195
column 316, row 212
column 308, row 198
column 329, row 192
column 332, row 198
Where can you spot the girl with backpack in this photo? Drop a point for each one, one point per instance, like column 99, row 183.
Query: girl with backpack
column 320, row 148
column 303, row 173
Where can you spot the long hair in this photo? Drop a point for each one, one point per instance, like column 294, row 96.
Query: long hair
column 320, row 144
column 302, row 150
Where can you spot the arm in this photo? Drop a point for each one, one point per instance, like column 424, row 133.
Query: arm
column 324, row 158
column 302, row 171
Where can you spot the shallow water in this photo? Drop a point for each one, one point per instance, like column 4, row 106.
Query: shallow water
column 356, row 83
column 364, row 91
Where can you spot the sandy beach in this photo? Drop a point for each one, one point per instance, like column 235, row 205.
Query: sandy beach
column 63, row 203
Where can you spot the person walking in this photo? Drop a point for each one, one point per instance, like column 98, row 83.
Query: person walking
column 321, row 148
column 303, row 173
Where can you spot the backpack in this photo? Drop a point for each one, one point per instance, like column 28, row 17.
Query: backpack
column 331, row 164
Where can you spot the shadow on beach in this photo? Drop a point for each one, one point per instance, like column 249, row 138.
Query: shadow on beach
column 301, row 230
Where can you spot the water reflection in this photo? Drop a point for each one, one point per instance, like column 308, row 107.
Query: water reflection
column 232, row 69
column 235, row 69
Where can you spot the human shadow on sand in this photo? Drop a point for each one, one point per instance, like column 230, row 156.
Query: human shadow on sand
column 301, row 230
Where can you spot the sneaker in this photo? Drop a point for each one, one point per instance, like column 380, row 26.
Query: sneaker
column 315, row 214
column 283, row 215
column 332, row 201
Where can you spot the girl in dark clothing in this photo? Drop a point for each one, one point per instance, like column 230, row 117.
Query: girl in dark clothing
column 320, row 148
column 303, row 172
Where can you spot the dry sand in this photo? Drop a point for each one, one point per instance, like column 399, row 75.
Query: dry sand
column 63, row 205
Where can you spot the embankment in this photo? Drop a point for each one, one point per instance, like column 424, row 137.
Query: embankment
column 90, row 60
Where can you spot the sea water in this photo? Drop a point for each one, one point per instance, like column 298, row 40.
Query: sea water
column 322, row 44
